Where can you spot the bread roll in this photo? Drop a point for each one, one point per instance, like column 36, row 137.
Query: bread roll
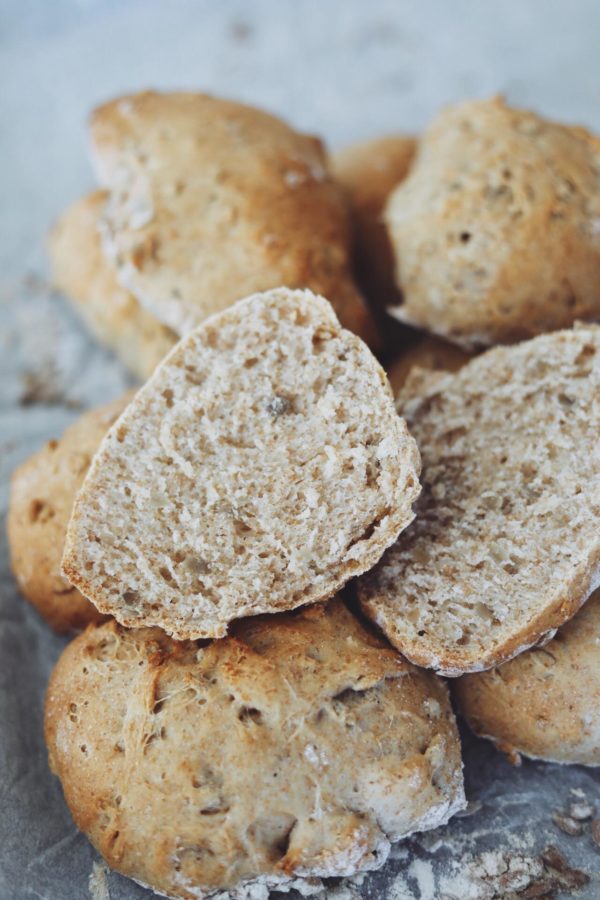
column 211, row 200
column 496, row 227
column 546, row 702
column 88, row 278
column 42, row 493
column 369, row 172
column 299, row 747
column 427, row 352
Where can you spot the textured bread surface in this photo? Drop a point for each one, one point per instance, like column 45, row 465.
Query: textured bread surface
column 369, row 172
column 260, row 468
column 430, row 353
column 42, row 494
column 297, row 748
column 496, row 229
column 88, row 278
column 211, row 201
column 546, row 702
column 505, row 545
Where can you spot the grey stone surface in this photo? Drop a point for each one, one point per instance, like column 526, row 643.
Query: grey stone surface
column 346, row 70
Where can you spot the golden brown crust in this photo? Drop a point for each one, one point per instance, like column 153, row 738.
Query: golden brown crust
column 299, row 746
column 212, row 201
column 369, row 172
column 87, row 277
column 546, row 702
column 495, row 229
column 42, row 494
column 430, row 353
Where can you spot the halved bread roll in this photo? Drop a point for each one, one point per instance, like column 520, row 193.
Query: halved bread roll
column 505, row 546
column 260, row 468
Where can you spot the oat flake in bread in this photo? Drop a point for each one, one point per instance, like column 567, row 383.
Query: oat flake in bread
column 261, row 467
column 297, row 748
column 546, row 702
column 369, row 172
column 505, row 546
column 496, row 229
column 88, row 278
column 42, row 492
column 211, row 201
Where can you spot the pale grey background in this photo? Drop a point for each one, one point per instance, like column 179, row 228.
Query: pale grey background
column 346, row 70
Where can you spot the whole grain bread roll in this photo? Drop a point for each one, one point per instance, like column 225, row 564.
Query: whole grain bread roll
column 42, row 493
column 546, row 702
column 211, row 200
column 505, row 546
column 369, row 172
column 495, row 229
column 88, row 278
column 299, row 747
column 260, row 468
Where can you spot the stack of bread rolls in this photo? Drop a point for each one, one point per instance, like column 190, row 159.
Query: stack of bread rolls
column 274, row 559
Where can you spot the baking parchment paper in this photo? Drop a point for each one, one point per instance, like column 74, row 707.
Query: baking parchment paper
column 345, row 70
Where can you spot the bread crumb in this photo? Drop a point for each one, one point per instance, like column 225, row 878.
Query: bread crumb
column 567, row 824
column 581, row 812
column 97, row 882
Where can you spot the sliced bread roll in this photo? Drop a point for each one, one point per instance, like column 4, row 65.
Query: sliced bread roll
column 42, row 493
column 495, row 229
column 506, row 546
column 369, row 172
column 546, row 702
column 298, row 748
column 88, row 278
column 211, row 200
column 260, row 468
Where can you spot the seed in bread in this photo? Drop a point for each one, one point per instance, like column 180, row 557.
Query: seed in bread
column 505, row 546
column 42, row 494
column 260, row 468
column 495, row 229
column 430, row 353
column 299, row 747
column 88, row 278
column 546, row 702
column 369, row 172
column 211, row 201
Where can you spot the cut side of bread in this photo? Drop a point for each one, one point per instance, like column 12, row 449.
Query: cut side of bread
column 211, row 201
column 505, row 546
column 260, row 468
column 495, row 228
column 298, row 748
column 42, row 493
column 88, row 278
column 545, row 703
